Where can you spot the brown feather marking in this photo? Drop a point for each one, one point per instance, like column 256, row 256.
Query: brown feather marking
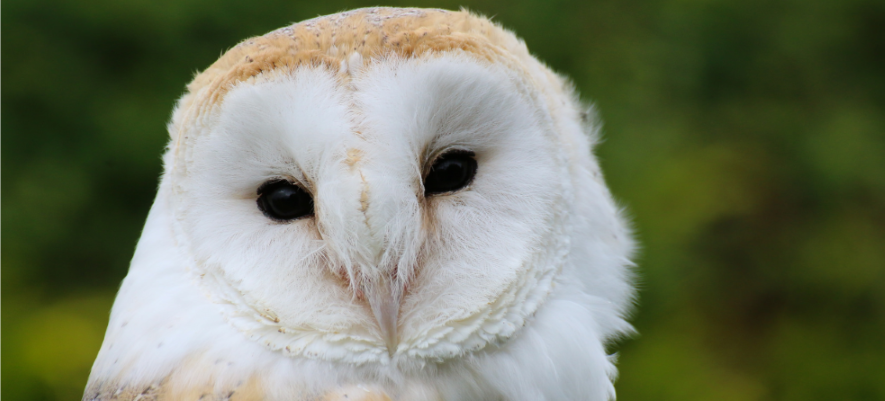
column 177, row 386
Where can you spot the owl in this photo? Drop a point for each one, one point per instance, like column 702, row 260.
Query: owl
column 381, row 204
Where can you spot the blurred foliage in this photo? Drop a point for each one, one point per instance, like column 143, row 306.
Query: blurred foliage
column 745, row 137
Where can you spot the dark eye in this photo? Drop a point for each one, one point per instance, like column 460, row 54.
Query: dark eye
column 282, row 200
column 450, row 172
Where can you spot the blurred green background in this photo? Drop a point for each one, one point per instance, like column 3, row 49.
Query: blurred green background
column 745, row 137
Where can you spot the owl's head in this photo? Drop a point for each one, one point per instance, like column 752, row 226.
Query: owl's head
column 391, row 185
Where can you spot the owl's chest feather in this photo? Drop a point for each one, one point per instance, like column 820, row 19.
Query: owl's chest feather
column 172, row 388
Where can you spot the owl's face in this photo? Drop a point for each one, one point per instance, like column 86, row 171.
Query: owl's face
column 400, row 200
column 412, row 208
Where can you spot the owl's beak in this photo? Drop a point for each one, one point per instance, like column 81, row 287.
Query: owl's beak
column 385, row 307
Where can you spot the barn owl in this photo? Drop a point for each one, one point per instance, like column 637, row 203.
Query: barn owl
column 381, row 204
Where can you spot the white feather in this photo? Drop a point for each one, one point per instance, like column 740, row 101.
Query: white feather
column 506, row 290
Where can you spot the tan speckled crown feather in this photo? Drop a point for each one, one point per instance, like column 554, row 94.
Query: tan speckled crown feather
column 370, row 32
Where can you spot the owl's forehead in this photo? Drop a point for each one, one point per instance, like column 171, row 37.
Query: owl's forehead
column 365, row 35
column 404, row 109
column 344, row 44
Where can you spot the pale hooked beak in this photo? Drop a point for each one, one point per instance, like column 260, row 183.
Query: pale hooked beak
column 385, row 307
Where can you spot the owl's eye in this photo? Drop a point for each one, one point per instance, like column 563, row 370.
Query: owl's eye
column 450, row 172
column 282, row 200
